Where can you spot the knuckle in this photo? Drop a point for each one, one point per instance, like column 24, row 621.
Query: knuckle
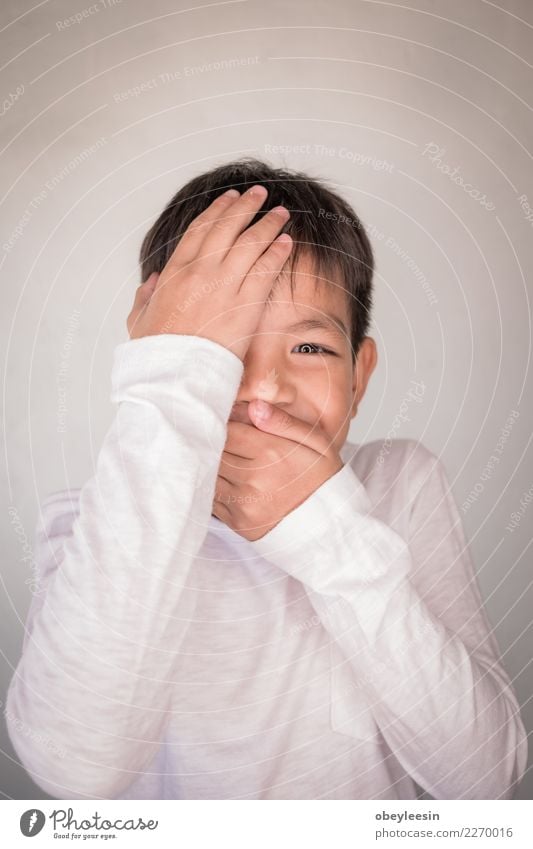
column 173, row 266
column 247, row 240
column 195, row 277
column 262, row 266
column 194, row 231
column 220, row 225
column 196, row 225
column 186, row 237
column 279, row 249
column 268, row 263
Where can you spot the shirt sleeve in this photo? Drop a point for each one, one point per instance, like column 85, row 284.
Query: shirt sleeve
column 408, row 617
column 88, row 703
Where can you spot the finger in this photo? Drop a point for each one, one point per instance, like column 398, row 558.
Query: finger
column 279, row 422
column 142, row 297
column 220, row 238
column 225, row 492
column 241, row 440
column 255, row 240
column 259, row 280
column 233, row 468
column 189, row 243
column 239, row 413
column 220, row 510
column 225, row 479
column 145, row 290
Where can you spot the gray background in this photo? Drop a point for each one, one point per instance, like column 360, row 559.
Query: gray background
column 104, row 119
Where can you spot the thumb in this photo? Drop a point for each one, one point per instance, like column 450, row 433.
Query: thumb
column 146, row 289
column 271, row 419
column 142, row 297
column 260, row 412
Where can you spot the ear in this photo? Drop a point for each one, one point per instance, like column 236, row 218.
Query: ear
column 364, row 365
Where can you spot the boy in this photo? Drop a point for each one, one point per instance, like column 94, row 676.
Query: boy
column 242, row 607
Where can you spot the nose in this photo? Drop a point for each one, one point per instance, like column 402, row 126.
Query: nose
column 265, row 376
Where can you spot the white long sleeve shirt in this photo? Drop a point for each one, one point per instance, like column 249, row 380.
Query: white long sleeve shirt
column 344, row 655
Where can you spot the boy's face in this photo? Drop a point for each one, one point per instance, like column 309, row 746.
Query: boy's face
column 308, row 372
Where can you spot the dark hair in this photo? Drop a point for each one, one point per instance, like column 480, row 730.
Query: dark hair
column 321, row 223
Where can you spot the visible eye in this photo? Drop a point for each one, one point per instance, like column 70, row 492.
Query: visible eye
column 312, row 345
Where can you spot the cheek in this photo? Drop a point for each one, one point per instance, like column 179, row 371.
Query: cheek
column 334, row 408
column 328, row 398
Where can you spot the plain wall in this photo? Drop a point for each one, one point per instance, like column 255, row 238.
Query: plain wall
column 105, row 118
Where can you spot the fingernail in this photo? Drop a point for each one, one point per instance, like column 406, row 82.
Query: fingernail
column 262, row 410
column 258, row 190
column 281, row 211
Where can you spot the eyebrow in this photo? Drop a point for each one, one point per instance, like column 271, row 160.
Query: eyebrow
column 331, row 323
